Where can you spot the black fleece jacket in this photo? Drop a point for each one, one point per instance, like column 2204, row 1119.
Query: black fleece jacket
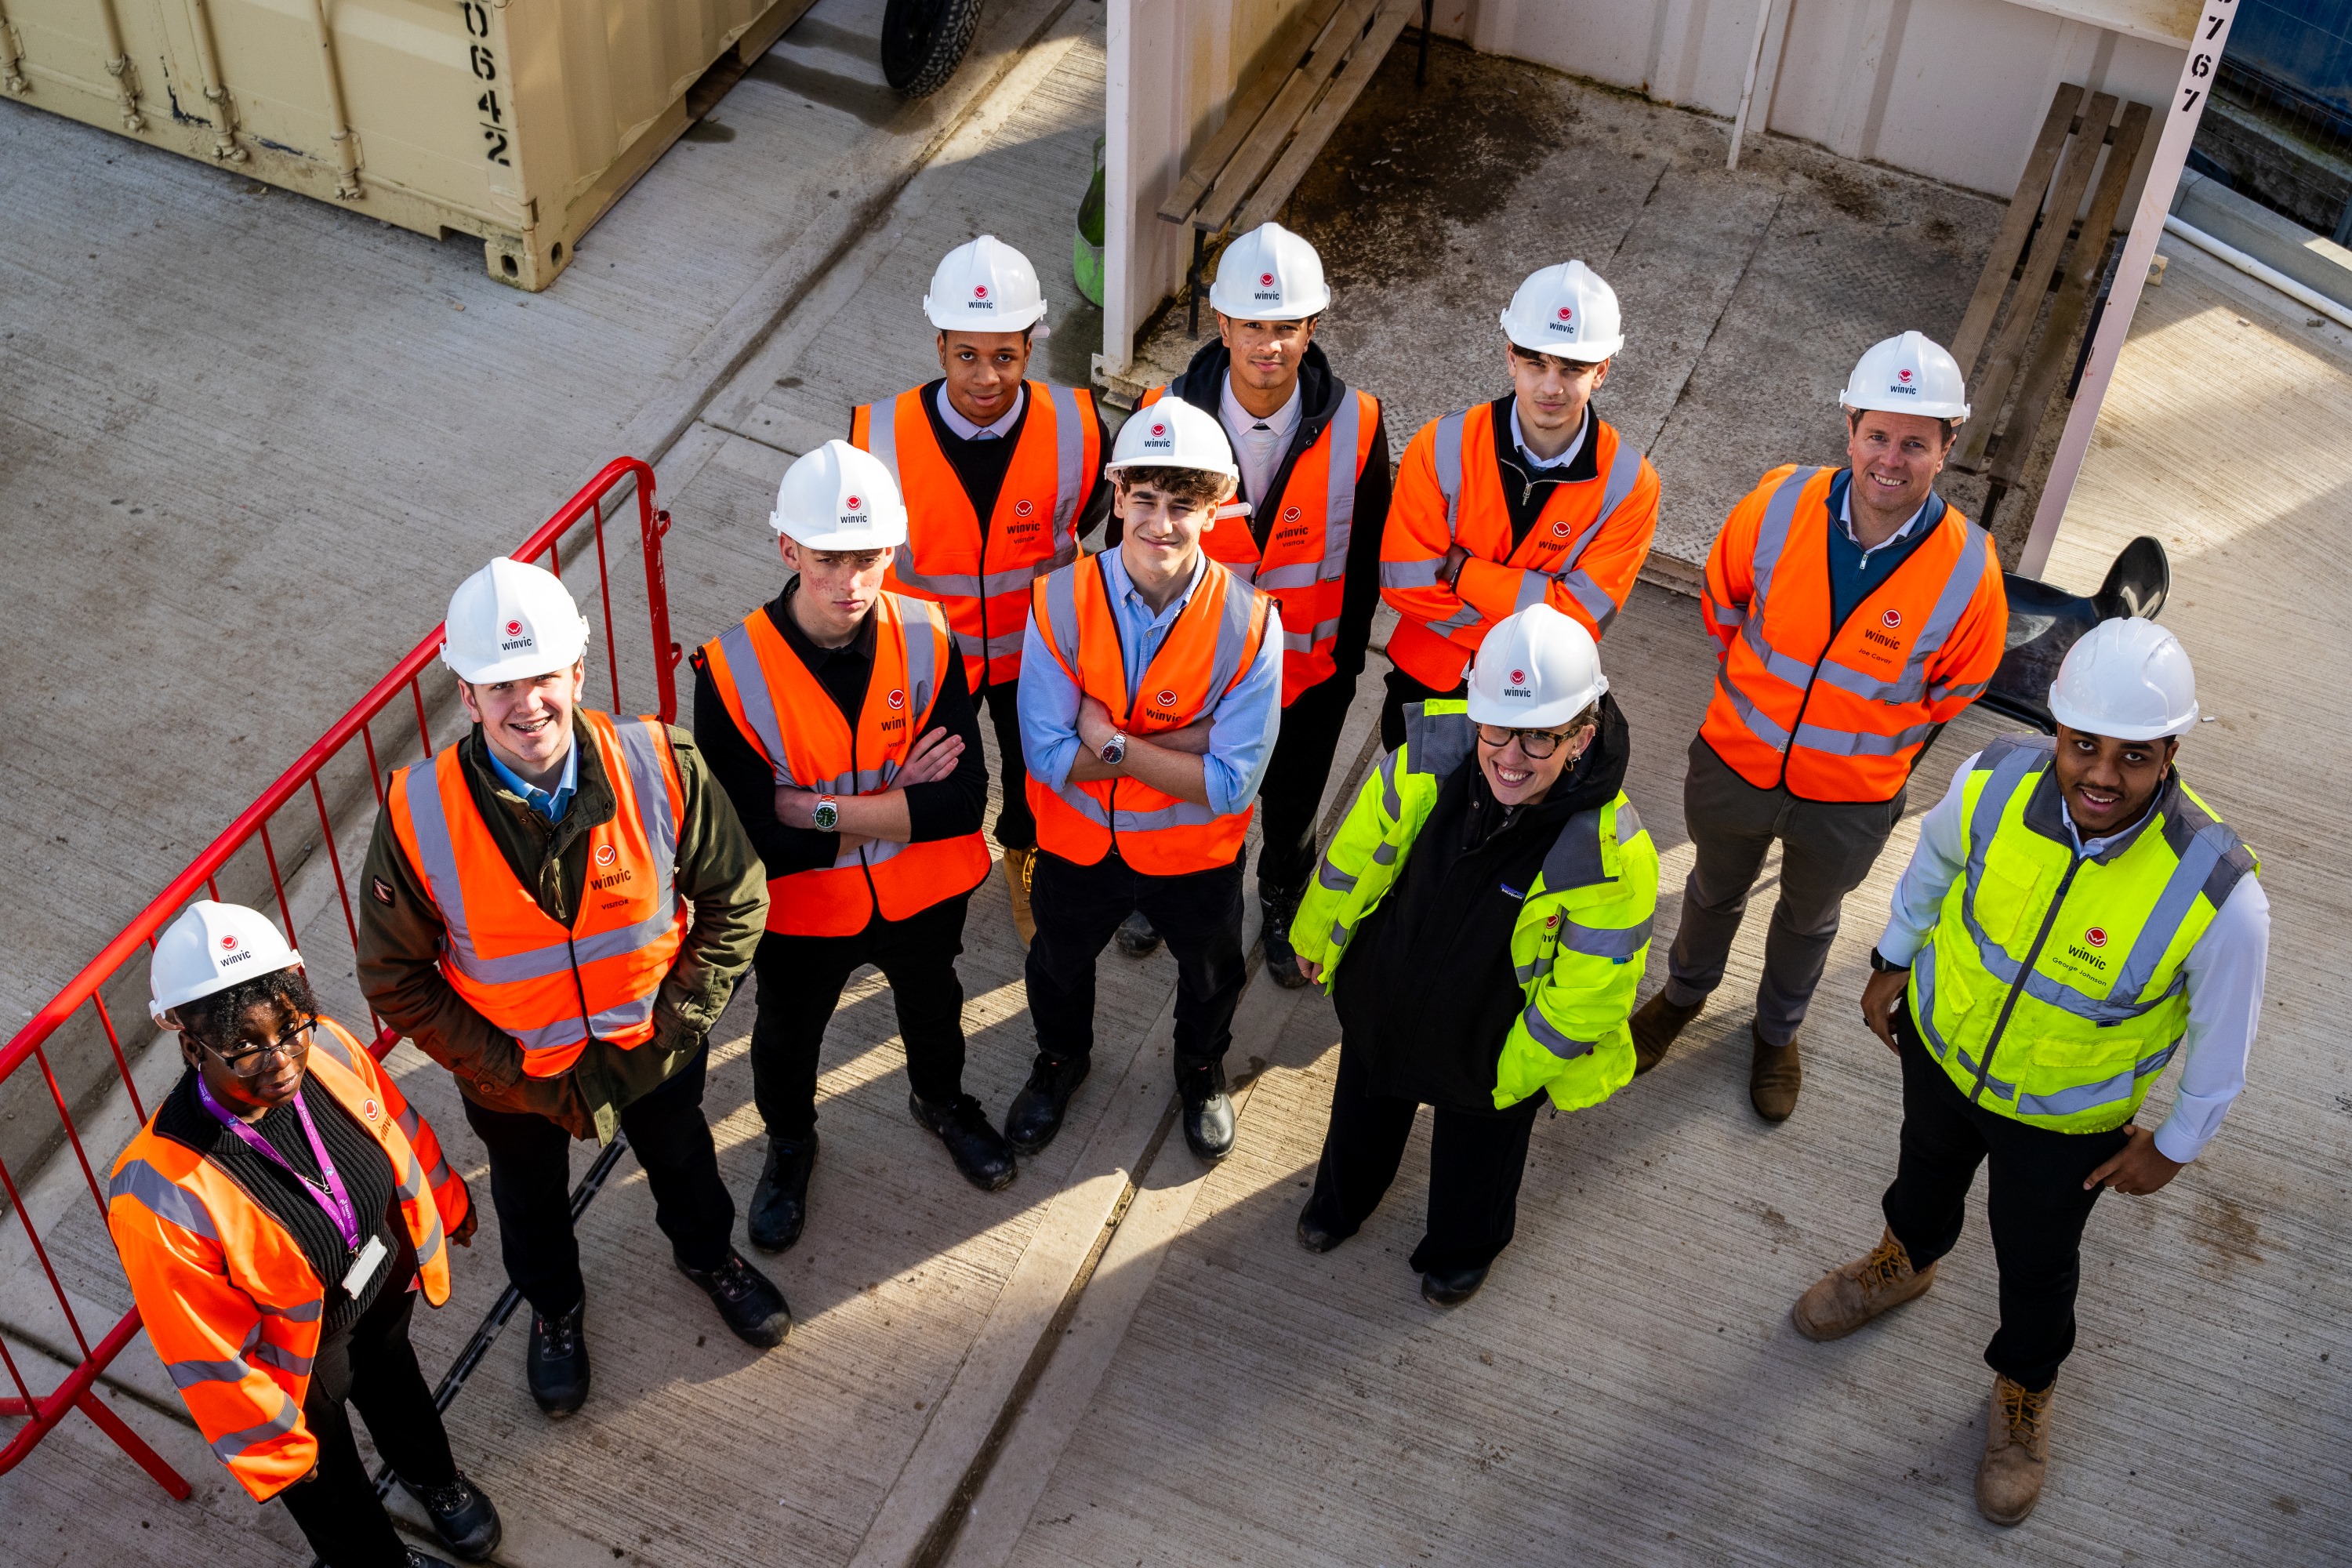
column 1427, row 994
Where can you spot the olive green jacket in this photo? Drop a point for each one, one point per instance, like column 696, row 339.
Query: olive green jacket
column 718, row 873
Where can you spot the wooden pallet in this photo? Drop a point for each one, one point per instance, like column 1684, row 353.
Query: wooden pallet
column 1276, row 126
column 2047, row 257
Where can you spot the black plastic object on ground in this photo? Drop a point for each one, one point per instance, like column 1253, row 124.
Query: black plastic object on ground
column 923, row 41
column 2045, row 621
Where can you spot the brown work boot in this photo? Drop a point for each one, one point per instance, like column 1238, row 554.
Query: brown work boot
column 1846, row 1297
column 1020, row 865
column 1773, row 1078
column 1654, row 1028
column 2016, row 1452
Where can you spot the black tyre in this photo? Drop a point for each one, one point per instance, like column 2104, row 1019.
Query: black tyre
column 923, row 41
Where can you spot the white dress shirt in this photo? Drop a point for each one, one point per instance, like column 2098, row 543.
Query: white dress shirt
column 2224, row 967
column 995, row 430
column 1567, row 455
column 1258, row 444
column 1846, row 520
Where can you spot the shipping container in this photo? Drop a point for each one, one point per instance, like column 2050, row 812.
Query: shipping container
column 518, row 121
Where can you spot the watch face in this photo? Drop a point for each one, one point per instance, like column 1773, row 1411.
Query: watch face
column 1114, row 750
column 826, row 817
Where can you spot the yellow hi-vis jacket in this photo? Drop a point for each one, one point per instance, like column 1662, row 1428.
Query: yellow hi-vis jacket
column 2054, row 989
column 1578, row 946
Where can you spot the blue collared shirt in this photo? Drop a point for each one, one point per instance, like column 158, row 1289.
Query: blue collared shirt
column 1243, row 724
column 551, row 804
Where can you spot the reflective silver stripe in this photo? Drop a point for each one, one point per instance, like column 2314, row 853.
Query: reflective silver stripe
column 742, row 658
column 1183, row 814
column 1085, row 804
column 970, row 647
column 1959, row 590
column 1923, row 972
column 1345, row 434
column 639, row 737
column 1069, row 458
column 1523, row 973
column 1550, row 1038
column 1246, row 570
column 412, row 1126
column 278, row 1356
column 882, row 441
column 1226, row 669
column 1726, row 617
column 429, row 821
column 1859, row 743
column 163, row 1197
column 1390, row 801
column 1436, row 743
column 1333, row 878
column 2000, row 1090
column 2117, row 1090
column 1060, row 626
column 1298, row 574
column 231, row 1447
column 322, row 1038
column 1408, row 573
column 1304, row 642
column 1971, row 690
column 918, row 633
column 1763, row 729
column 1445, row 453
column 945, row 584
column 1778, row 665
column 309, row 1311
column 1619, row 943
column 412, row 1187
column 1624, row 473
column 1575, row 859
column 1460, row 620
column 1629, row 822
column 186, row 1374
column 1339, row 934
column 1535, row 587
column 1772, row 535
column 1385, row 853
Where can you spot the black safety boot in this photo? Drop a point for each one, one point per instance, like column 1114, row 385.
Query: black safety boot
column 556, row 1364
column 754, row 1308
column 1280, row 909
column 1451, row 1287
column 1136, row 938
column 1036, row 1114
column 780, row 1201
column 463, row 1517
column 423, row 1560
column 978, row 1149
column 1312, row 1235
column 1208, row 1117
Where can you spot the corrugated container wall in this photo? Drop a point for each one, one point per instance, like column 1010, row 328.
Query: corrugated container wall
column 520, row 123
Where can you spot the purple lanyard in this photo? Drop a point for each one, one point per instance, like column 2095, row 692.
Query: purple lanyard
column 331, row 1197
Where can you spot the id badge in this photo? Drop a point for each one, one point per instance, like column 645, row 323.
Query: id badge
column 364, row 1265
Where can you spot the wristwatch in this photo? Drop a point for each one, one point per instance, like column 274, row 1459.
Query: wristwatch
column 827, row 815
column 1114, row 750
column 1885, row 965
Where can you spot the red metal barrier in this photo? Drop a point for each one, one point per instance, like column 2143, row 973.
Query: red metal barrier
column 76, row 1391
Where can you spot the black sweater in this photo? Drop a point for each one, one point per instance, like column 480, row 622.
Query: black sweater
column 949, row 808
column 981, row 465
column 1527, row 489
column 359, row 1159
column 1427, row 994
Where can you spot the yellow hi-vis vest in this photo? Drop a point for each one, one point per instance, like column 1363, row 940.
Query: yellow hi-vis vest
column 2053, row 990
column 1577, row 947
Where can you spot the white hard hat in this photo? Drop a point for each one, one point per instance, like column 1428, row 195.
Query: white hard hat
column 1536, row 669
column 2129, row 679
column 210, row 948
column 1172, row 434
column 985, row 286
column 840, row 496
column 1566, row 310
column 1269, row 275
column 1910, row 375
column 511, row 621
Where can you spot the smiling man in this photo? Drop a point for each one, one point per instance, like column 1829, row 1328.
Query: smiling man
column 2073, row 916
column 557, row 908
column 1857, row 613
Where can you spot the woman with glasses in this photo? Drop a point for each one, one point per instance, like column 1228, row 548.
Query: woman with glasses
column 1480, row 921
column 273, row 1216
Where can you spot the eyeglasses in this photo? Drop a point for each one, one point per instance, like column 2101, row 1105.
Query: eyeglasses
column 250, row 1061
column 1537, row 744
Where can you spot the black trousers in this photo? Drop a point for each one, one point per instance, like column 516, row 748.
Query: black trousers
column 1295, row 777
column 1403, row 689
column 1199, row 915
column 1016, row 827
column 1475, row 1161
column 531, row 1187
column 371, row 1365
column 2034, row 1201
column 800, row 979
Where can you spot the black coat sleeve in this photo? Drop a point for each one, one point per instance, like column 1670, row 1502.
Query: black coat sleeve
column 1361, row 596
column 750, row 784
column 956, row 804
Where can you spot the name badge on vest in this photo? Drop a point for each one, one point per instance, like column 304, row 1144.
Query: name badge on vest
column 363, row 1266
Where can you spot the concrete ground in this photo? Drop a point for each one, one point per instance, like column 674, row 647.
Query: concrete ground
column 1123, row 1357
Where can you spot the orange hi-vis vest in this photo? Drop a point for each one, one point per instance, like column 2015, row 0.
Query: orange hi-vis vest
column 1210, row 648
column 1302, row 564
column 983, row 575
column 552, row 988
column 797, row 726
column 1581, row 556
column 1839, row 712
column 229, row 1301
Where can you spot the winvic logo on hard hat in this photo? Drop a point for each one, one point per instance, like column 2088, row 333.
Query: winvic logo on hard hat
column 228, row 942
column 979, row 299
column 1903, row 384
column 513, row 627
column 516, row 637
column 1267, row 288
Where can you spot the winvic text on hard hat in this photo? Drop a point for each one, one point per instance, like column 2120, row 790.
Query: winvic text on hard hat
column 986, row 286
column 511, row 621
column 1566, row 310
column 1909, row 374
column 1269, row 275
column 1172, row 434
column 210, row 948
column 1536, row 670
column 840, row 496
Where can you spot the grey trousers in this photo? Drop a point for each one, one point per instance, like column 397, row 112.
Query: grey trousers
column 1827, row 848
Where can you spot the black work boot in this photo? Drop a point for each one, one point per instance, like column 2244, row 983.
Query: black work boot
column 463, row 1517
column 1208, row 1115
column 1451, row 1286
column 780, row 1201
column 1036, row 1114
column 1280, row 909
column 754, row 1308
column 978, row 1149
column 1135, row 936
column 556, row 1364
column 421, row 1559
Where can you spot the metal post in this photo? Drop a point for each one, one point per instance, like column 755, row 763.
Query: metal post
column 225, row 143
column 1748, row 88
column 1421, row 64
column 1192, row 284
column 118, row 66
column 347, row 149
